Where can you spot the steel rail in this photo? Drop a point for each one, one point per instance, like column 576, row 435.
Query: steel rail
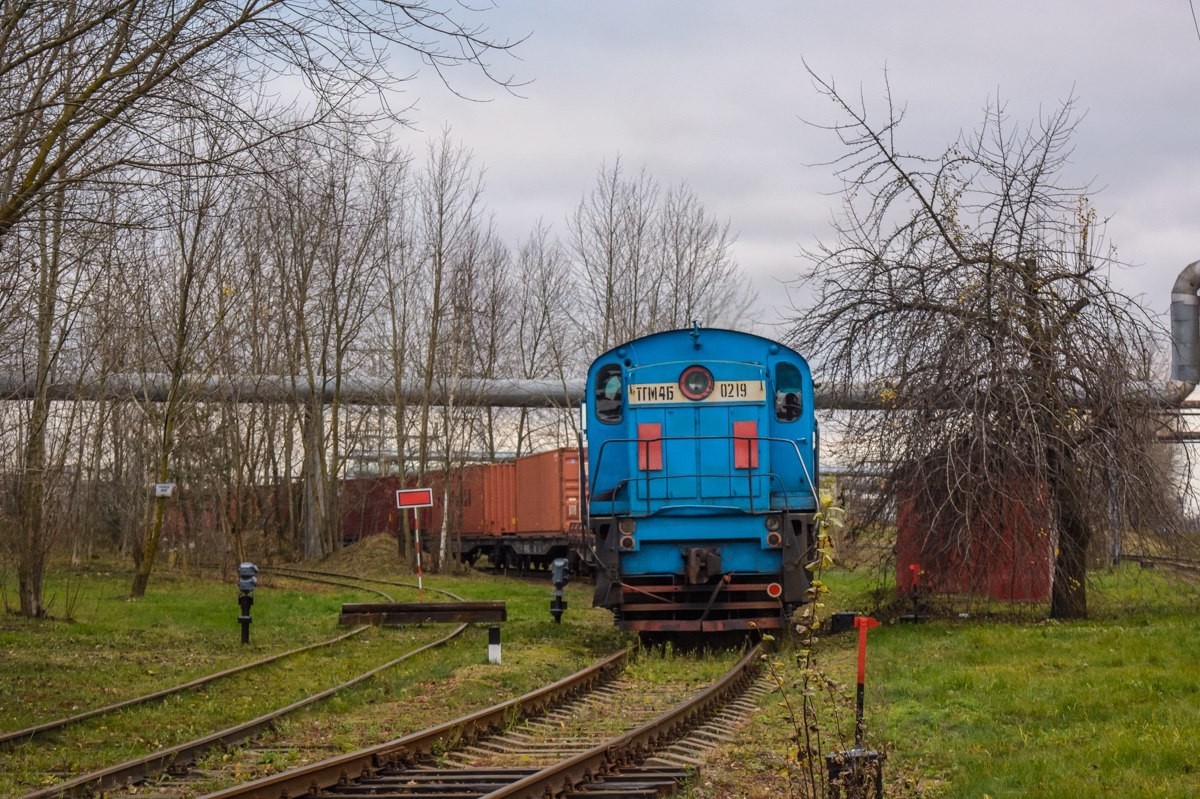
column 1187, row 564
column 29, row 733
column 159, row 761
column 635, row 745
column 338, row 770
column 305, row 574
column 298, row 574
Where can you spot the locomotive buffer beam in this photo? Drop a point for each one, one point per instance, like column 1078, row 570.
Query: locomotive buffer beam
column 421, row 612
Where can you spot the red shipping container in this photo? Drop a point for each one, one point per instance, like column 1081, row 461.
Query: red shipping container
column 1010, row 559
column 368, row 507
column 547, row 491
column 500, row 498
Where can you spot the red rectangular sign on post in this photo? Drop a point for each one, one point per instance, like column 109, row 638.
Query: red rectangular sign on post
column 414, row 498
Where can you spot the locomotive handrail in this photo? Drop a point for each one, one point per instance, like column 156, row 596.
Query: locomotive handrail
column 762, row 370
column 751, row 473
column 769, row 476
column 680, row 506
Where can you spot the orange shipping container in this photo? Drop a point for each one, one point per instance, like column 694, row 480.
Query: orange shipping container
column 499, row 499
column 467, row 509
column 547, row 491
column 469, row 488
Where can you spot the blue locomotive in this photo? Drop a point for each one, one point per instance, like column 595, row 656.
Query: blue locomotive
column 702, row 481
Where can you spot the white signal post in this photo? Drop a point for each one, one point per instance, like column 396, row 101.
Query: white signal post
column 414, row 499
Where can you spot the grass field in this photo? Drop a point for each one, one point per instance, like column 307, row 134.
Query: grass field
column 186, row 627
column 999, row 704
column 1011, row 706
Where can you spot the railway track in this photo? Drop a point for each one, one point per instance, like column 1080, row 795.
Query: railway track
column 28, row 734
column 36, row 731
column 591, row 734
column 178, row 758
column 343, row 580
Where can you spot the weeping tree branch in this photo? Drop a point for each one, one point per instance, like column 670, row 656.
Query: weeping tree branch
column 975, row 286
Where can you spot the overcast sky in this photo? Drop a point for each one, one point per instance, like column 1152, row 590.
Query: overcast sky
column 714, row 93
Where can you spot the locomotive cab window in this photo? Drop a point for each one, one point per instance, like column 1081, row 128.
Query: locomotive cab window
column 610, row 394
column 789, row 386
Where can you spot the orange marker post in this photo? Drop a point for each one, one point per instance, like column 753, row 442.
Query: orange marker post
column 862, row 624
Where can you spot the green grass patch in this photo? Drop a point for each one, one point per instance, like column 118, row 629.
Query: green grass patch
column 1100, row 708
column 1000, row 704
column 187, row 627
column 1005, row 706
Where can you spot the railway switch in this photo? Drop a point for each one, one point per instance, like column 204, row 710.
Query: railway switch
column 560, row 575
column 247, row 582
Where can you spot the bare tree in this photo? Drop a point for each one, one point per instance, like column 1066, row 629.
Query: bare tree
column 256, row 323
column 101, row 91
column 450, row 204
column 645, row 261
column 972, row 289
column 611, row 240
column 181, row 290
column 700, row 279
column 545, row 332
column 396, row 334
column 488, row 306
column 52, row 299
column 325, row 250
column 77, row 77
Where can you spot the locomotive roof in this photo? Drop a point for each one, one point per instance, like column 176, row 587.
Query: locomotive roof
column 696, row 333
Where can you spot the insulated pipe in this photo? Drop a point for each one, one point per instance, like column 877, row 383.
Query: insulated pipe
column 1185, row 329
column 276, row 388
column 521, row 393
column 482, row 392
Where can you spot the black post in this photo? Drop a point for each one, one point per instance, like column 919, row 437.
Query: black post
column 245, row 600
column 560, row 575
column 247, row 582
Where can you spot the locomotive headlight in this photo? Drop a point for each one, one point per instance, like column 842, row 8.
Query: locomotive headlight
column 696, row 382
column 773, row 523
column 627, row 526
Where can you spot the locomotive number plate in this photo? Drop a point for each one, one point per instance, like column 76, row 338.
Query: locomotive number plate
column 723, row 391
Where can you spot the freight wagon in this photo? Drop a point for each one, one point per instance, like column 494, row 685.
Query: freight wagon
column 522, row 514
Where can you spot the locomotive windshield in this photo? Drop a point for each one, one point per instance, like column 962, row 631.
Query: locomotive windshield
column 610, row 395
column 788, row 392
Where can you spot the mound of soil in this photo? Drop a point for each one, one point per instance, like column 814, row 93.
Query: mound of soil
column 373, row 556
